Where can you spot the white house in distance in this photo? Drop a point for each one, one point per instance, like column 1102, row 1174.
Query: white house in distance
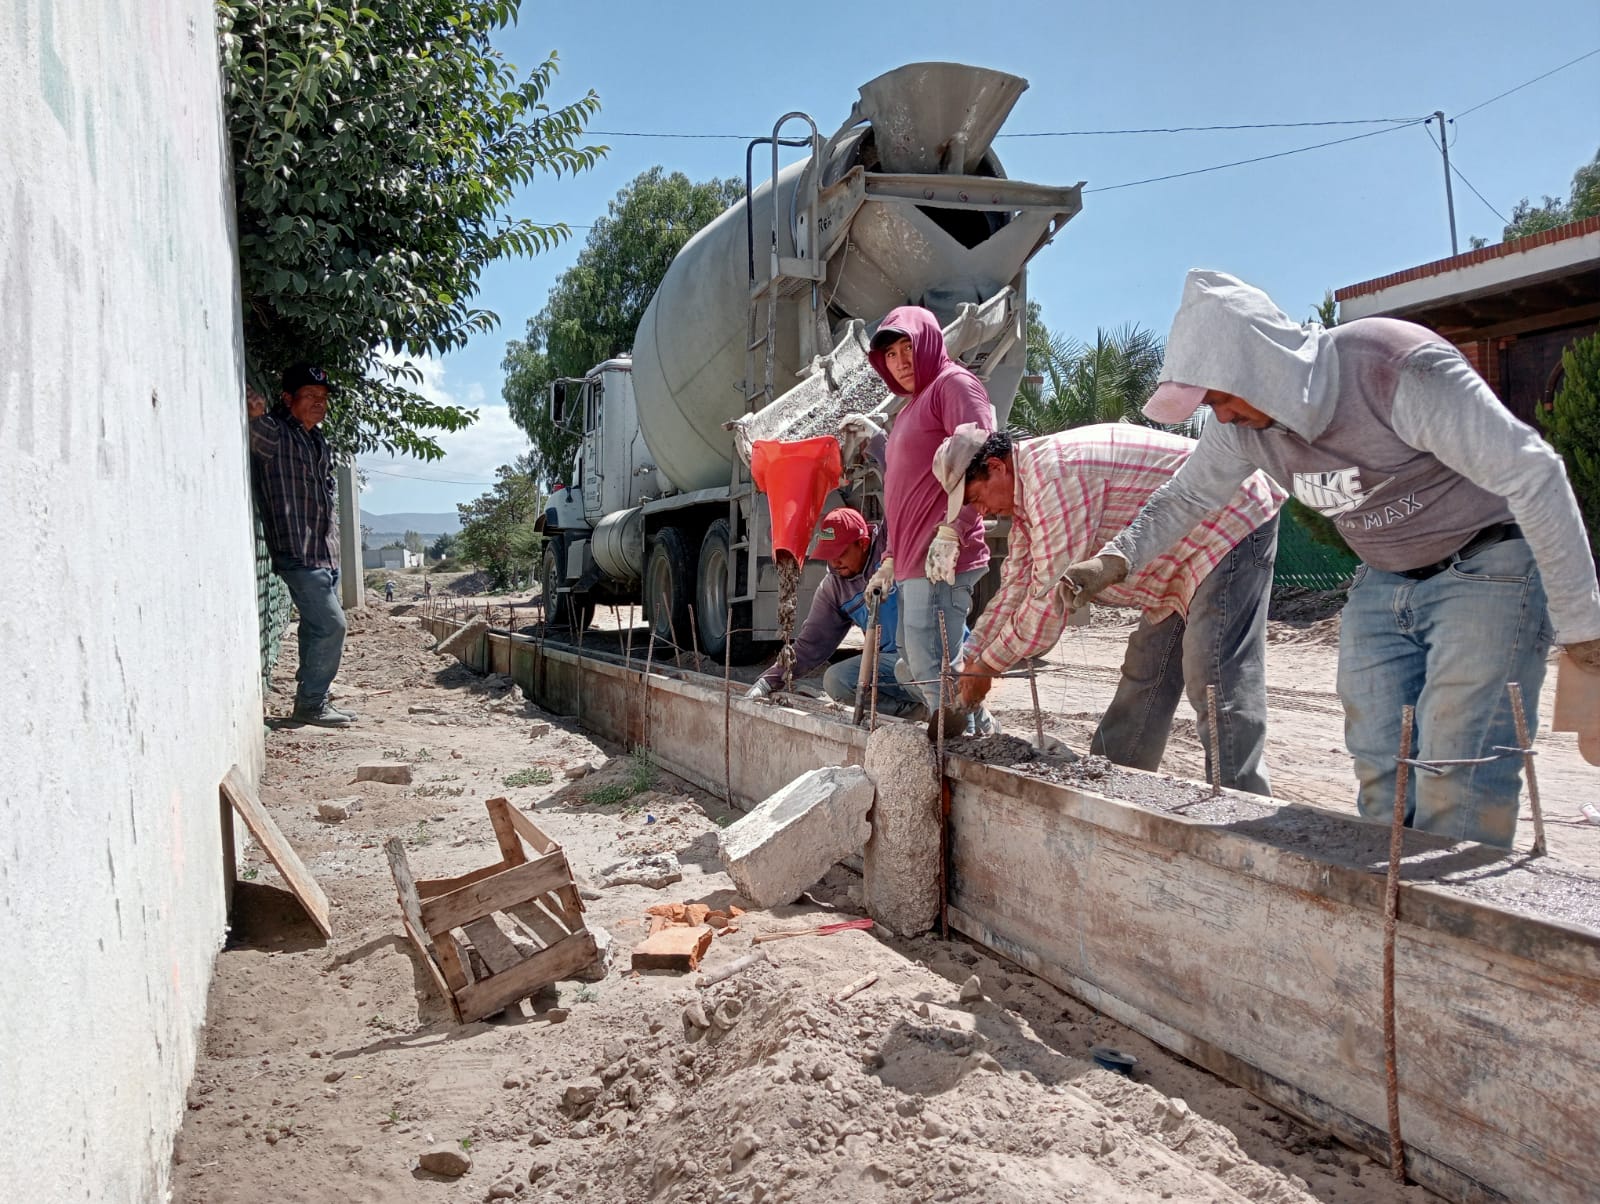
column 390, row 558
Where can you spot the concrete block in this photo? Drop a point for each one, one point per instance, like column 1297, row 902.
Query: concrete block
column 677, row 947
column 394, row 773
column 338, row 809
column 901, row 863
column 460, row 642
column 789, row 841
column 654, row 870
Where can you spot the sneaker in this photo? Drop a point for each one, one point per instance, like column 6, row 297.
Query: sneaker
column 981, row 723
column 324, row 715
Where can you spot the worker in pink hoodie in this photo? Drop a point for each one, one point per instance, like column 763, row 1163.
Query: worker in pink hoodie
column 936, row 551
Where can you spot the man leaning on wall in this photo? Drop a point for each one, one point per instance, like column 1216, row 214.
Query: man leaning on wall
column 292, row 473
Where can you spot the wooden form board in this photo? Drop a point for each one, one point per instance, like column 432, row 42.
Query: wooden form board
column 241, row 795
column 1246, row 951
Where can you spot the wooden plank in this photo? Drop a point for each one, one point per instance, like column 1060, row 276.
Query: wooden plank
column 411, row 920
column 540, row 922
column 493, row 946
column 529, row 831
column 452, row 962
column 561, row 961
column 236, row 788
column 505, row 831
column 429, row 888
column 515, row 885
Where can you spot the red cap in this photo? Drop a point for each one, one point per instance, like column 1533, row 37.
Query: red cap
column 837, row 531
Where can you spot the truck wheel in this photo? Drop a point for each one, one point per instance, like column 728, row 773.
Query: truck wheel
column 711, row 602
column 558, row 608
column 668, row 579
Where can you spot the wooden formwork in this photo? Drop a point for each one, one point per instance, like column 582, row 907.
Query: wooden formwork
column 1252, row 948
column 530, row 891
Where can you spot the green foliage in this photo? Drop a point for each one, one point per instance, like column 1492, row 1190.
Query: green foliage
column 412, row 541
column 1318, row 526
column 443, row 547
column 1572, row 424
column 1583, row 201
column 1326, row 311
column 539, row 775
column 1070, row 383
column 491, row 524
column 375, row 148
column 641, row 777
column 595, row 307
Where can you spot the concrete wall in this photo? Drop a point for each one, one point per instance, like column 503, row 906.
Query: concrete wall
column 129, row 678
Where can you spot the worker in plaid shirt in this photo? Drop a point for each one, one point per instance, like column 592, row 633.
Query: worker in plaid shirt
column 1204, row 603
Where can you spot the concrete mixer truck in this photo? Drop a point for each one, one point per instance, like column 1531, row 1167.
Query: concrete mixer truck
column 906, row 203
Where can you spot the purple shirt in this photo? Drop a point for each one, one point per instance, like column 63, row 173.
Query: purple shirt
column 914, row 501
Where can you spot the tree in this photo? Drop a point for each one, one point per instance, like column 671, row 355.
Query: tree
column 490, row 523
column 594, row 309
column 375, row 148
column 412, row 541
column 1326, row 311
column 1572, row 424
column 1076, row 384
column 1583, row 201
column 442, row 547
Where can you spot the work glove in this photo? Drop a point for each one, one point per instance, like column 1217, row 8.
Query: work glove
column 1082, row 581
column 881, row 582
column 760, row 690
column 856, row 433
column 1578, row 697
column 974, row 683
column 942, row 553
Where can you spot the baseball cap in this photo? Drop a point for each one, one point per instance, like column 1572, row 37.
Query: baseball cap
column 888, row 335
column 954, row 457
column 838, row 530
column 1173, row 402
column 300, row 375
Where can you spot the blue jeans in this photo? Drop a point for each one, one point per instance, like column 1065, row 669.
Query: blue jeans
column 841, row 680
column 322, row 627
column 1222, row 644
column 1447, row 646
column 921, row 654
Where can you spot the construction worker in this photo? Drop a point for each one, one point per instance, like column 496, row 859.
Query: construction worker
column 388, row 590
column 1204, row 602
column 853, row 549
column 1462, row 516
column 935, row 558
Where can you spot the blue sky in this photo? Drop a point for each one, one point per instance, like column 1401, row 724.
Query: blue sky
column 1295, row 225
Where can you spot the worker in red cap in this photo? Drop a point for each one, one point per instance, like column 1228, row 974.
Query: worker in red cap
column 853, row 549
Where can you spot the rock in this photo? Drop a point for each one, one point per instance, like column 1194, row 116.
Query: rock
column 511, row 1082
column 654, row 870
column 445, row 1159
column 339, row 809
column 727, row 1014
column 556, row 1015
column 578, row 1099
column 538, row 730
column 933, row 1127
column 333, row 1076
column 540, row 1167
column 393, row 773
column 503, row 1190
column 582, row 1130
column 596, row 971
column 694, row 1016
column 538, row 1137
column 795, row 835
column 901, row 861
column 744, row 1145
column 972, row 990
column 574, row 770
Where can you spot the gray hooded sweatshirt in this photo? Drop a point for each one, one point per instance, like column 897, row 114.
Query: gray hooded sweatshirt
column 1378, row 424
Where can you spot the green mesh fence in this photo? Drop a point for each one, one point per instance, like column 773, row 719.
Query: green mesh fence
column 272, row 607
column 1305, row 563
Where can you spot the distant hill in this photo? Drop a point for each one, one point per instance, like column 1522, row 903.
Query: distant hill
column 422, row 524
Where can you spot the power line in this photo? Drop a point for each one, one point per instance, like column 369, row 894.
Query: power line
column 404, row 476
column 1460, row 175
column 1299, row 150
column 1170, row 129
column 1527, row 83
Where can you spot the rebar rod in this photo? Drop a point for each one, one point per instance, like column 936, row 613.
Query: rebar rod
column 1391, row 921
column 1521, row 719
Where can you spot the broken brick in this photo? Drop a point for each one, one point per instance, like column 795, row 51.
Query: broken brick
column 676, row 947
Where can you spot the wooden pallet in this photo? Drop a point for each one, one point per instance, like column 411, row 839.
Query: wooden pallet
column 521, row 916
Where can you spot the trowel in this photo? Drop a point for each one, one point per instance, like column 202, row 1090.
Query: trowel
column 1578, row 706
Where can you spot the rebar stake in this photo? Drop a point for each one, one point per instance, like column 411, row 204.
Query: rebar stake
column 644, row 689
column 694, row 638
column 1038, row 715
column 578, row 627
column 876, row 636
column 1391, row 920
column 1216, row 741
column 1515, row 690
column 627, row 650
column 672, row 630
column 727, row 711
column 944, row 782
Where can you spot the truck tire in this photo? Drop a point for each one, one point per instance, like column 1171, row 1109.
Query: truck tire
column 711, row 602
column 558, row 608
column 668, row 582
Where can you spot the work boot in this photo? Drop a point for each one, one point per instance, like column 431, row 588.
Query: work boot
column 323, row 714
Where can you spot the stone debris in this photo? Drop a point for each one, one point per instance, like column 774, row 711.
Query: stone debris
column 445, row 1159
column 574, row 770
column 503, row 1190
column 788, row 842
column 392, row 773
column 538, row 730
column 463, row 637
column 971, row 990
column 654, row 870
column 338, row 810
column 901, row 862
column 694, row 1016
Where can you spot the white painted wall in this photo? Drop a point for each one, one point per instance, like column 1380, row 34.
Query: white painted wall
column 128, row 662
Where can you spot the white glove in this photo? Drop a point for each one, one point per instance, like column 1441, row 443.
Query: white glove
column 760, row 690
column 942, row 553
column 881, row 582
column 856, row 433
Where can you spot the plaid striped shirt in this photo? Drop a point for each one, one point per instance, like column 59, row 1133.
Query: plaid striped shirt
column 1074, row 492
column 292, row 470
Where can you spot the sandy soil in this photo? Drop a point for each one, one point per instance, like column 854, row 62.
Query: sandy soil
column 329, row 1067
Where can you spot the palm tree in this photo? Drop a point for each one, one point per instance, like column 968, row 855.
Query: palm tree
column 1072, row 383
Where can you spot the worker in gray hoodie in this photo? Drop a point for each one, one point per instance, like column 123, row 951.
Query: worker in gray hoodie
column 1461, row 514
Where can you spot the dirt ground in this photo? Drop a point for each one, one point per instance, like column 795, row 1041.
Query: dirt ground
column 329, row 1067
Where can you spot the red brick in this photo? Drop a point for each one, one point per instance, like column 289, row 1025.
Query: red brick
column 677, row 947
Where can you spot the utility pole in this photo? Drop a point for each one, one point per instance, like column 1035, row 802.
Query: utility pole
column 1449, row 194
